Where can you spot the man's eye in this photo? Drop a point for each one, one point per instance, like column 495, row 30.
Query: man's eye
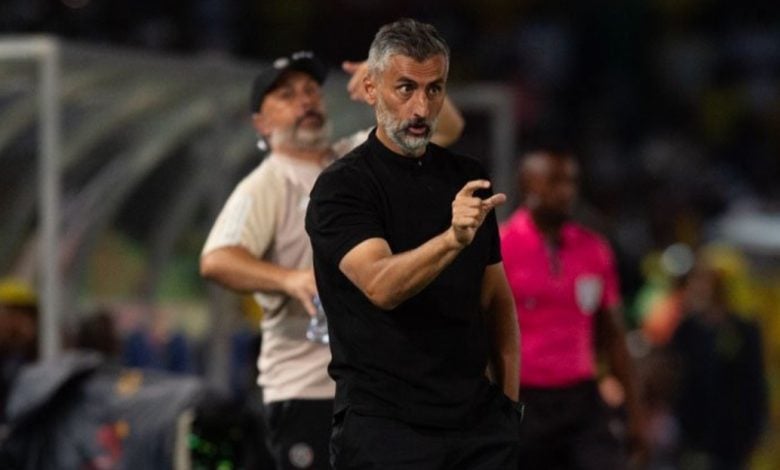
column 406, row 88
column 434, row 90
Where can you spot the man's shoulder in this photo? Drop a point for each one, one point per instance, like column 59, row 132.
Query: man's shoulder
column 463, row 164
column 516, row 226
column 345, row 171
column 269, row 167
column 266, row 174
column 589, row 240
column 354, row 160
column 437, row 151
column 587, row 234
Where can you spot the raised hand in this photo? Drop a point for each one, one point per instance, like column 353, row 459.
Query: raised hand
column 469, row 211
column 358, row 71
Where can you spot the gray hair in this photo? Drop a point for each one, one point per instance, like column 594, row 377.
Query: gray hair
column 408, row 37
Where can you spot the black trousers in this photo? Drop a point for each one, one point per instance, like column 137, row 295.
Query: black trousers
column 298, row 432
column 570, row 428
column 382, row 443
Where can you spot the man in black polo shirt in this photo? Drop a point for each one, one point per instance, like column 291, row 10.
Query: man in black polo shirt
column 408, row 267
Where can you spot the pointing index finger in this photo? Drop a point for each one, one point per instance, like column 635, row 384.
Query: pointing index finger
column 493, row 201
column 469, row 188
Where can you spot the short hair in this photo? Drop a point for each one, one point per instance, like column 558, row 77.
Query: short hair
column 408, row 37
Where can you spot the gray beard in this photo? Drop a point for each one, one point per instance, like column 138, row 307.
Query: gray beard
column 302, row 139
column 396, row 131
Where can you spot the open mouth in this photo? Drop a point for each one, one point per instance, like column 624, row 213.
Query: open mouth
column 311, row 119
column 418, row 129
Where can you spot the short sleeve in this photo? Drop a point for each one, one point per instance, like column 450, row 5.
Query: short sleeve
column 249, row 216
column 342, row 213
column 611, row 283
column 491, row 221
column 494, row 239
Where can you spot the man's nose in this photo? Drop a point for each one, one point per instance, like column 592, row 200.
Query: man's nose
column 421, row 104
column 306, row 100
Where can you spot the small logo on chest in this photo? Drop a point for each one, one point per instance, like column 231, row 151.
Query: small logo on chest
column 588, row 289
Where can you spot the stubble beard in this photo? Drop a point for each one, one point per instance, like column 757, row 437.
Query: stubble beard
column 396, row 130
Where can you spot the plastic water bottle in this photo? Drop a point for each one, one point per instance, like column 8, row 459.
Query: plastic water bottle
column 318, row 325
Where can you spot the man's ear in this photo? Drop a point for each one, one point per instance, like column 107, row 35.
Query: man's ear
column 369, row 86
column 260, row 124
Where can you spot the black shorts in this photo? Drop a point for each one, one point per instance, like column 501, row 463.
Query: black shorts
column 383, row 443
column 298, row 432
column 569, row 428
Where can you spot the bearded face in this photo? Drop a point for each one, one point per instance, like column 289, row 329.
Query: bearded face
column 411, row 135
column 308, row 132
column 407, row 95
column 292, row 115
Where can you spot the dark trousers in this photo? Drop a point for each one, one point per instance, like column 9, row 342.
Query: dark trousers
column 569, row 428
column 381, row 443
column 298, row 432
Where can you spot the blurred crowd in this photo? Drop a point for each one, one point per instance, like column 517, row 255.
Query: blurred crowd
column 702, row 360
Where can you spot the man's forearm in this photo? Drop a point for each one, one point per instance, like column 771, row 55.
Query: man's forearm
column 613, row 339
column 390, row 280
column 620, row 364
column 236, row 269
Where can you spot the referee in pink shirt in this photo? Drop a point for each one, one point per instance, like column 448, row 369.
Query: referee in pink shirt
column 566, row 291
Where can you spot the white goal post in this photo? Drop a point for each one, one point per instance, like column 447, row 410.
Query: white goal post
column 45, row 52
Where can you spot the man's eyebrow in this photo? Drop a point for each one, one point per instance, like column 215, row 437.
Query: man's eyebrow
column 403, row 79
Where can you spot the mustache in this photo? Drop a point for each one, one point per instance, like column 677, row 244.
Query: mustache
column 310, row 114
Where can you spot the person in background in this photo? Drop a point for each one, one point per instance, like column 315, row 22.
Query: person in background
column 408, row 267
column 565, row 287
column 97, row 331
column 258, row 245
column 18, row 334
column 721, row 397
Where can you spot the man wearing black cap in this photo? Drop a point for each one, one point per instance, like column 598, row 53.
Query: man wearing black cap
column 258, row 244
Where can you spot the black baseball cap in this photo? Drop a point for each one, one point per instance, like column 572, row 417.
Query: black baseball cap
column 303, row 61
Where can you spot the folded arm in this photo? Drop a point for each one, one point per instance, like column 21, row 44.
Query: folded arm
column 236, row 268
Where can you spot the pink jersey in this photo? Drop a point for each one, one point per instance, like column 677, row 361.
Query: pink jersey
column 556, row 299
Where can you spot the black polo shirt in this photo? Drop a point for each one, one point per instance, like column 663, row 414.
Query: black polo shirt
column 424, row 361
